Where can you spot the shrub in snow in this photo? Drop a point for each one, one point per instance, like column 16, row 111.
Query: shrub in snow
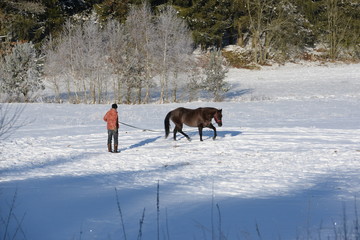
column 215, row 73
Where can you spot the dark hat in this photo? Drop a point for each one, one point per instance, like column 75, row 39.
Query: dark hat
column 114, row 106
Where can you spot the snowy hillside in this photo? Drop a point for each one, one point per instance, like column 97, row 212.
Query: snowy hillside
column 285, row 163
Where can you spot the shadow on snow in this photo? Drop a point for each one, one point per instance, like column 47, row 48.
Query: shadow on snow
column 141, row 143
column 208, row 133
column 296, row 216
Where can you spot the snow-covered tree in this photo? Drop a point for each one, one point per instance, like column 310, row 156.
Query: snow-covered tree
column 92, row 57
column 115, row 38
column 121, row 58
column 21, row 73
column 147, row 34
column 68, row 59
column 80, row 59
column 194, row 82
column 215, row 73
column 140, row 50
column 52, row 68
column 174, row 42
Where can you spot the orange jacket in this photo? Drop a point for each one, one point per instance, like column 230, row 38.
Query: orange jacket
column 111, row 117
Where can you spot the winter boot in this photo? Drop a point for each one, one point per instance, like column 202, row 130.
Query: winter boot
column 109, row 148
column 115, row 148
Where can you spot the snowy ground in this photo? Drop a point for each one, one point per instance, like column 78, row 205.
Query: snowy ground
column 285, row 163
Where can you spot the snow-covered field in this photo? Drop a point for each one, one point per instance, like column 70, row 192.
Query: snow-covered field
column 285, row 165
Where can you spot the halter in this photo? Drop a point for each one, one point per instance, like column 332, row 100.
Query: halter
column 216, row 119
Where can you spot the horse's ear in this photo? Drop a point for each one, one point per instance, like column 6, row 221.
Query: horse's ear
column 220, row 110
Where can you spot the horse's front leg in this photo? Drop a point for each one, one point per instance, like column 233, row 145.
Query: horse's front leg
column 213, row 128
column 200, row 132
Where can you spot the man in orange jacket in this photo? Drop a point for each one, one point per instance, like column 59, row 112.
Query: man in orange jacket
column 112, row 119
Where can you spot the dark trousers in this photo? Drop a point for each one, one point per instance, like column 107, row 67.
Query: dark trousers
column 113, row 134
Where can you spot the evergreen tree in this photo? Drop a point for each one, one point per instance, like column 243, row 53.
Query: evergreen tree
column 21, row 20
column 215, row 73
column 210, row 21
column 53, row 18
column 194, row 82
column 112, row 9
column 21, row 73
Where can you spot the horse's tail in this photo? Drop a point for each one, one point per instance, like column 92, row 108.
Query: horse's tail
column 167, row 124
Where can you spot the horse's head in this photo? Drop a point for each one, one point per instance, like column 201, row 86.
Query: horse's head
column 218, row 117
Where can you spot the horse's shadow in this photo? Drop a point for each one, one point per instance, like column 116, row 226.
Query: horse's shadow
column 209, row 134
column 193, row 134
column 141, row 143
column 231, row 133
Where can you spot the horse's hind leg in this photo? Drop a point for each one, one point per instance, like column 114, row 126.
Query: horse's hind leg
column 179, row 129
column 188, row 138
column 175, row 131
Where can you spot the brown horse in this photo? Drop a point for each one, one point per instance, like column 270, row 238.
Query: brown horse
column 200, row 118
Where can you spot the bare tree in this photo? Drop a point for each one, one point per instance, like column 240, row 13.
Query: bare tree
column 116, row 39
column 173, row 43
column 123, row 58
column 68, row 58
column 52, row 68
column 182, row 59
column 61, row 62
column 141, row 47
column 136, row 51
column 80, row 58
column 255, row 13
column 93, row 65
column 275, row 27
column 338, row 26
